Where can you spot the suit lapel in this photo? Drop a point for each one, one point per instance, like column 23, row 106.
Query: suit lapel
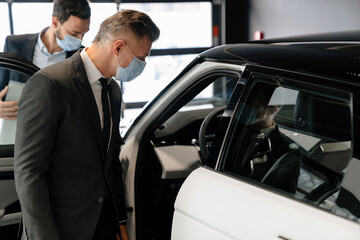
column 82, row 83
column 29, row 46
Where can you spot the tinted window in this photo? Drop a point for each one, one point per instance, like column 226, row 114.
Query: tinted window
column 292, row 139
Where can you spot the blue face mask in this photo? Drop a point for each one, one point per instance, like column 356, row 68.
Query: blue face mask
column 135, row 68
column 69, row 43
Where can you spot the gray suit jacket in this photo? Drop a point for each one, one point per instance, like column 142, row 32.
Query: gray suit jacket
column 61, row 173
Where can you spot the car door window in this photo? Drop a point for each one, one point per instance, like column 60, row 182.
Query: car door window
column 15, row 80
column 295, row 140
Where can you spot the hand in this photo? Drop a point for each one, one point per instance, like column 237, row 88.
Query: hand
column 124, row 233
column 8, row 110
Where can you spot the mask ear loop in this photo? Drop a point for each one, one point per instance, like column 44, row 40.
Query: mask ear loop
column 130, row 51
column 133, row 54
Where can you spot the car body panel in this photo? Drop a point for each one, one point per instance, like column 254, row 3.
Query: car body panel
column 244, row 211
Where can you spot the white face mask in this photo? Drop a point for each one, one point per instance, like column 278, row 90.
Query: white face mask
column 69, row 43
column 135, row 68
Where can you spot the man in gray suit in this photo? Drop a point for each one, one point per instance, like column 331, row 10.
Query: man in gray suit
column 70, row 21
column 67, row 170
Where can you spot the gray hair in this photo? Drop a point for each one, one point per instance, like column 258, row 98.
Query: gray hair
column 125, row 21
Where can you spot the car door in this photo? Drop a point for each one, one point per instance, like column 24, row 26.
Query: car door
column 14, row 72
column 307, row 192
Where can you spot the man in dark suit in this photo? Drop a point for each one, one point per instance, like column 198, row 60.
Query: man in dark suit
column 266, row 143
column 70, row 21
column 67, row 170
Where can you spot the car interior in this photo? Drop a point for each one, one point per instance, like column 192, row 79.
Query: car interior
column 172, row 151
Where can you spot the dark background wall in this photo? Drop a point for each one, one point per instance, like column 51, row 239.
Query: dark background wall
column 277, row 18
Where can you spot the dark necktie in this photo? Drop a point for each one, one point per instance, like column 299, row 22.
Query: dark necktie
column 106, row 111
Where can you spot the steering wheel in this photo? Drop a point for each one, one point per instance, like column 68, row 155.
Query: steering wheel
column 203, row 143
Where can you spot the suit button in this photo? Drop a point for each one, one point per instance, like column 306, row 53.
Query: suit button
column 100, row 200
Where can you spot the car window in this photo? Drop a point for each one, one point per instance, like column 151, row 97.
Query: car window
column 212, row 93
column 15, row 81
column 292, row 139
column 216, row 94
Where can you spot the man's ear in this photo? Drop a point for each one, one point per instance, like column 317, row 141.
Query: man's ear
column 55, row 22
column 118, row 45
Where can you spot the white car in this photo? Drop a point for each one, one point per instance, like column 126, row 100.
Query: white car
column 199, row 163
column 192, row 173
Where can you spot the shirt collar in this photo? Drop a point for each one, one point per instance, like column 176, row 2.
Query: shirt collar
column 92, row 72
column 42, row 46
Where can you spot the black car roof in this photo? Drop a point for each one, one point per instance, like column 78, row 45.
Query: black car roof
column 336, row 55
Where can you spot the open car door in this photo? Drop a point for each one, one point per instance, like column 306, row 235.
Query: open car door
column 14, row 72
column 293, row 177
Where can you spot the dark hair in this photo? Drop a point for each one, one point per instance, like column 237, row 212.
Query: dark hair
column 64, row 8
column 124, row 21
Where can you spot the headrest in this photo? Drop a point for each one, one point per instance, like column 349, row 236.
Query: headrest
column 322, row 117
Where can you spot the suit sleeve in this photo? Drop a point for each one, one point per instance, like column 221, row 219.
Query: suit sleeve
column 39, row 111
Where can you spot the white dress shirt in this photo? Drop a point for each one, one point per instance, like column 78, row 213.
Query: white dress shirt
column 94, row 75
